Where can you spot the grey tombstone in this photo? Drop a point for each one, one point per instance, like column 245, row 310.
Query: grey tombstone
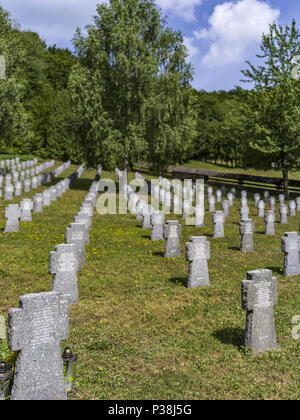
column 261, row 208
column 281, row 199
column 18, row 188
column 283, row 211
column 247, row 231
column 197, row 253
column 172, row 233
column 26, row 207
column 219, row 196
column 78, row 234
column 177, row 204
column 218, row 218
column 244, row 202
column 292, row 206
column 209, row 191
column 256, row 199
column 83, row 217
column 59, row 190
column 64, row 264
column 259, row 296
column 46, row 198
column 187, row 208
column 243, row 194
column 53, row 192
column 298, row 203
column 139, row 206
column 157, row 221
column 230, row 198
column 146, row 213
column 267, row 196
column 233, row 191
column 35, row 330
column 38, row 203
column 199, row 215
column 89, row 211
column 211, row 204
column 225, row 207
column 34, row 182
column 290, row 245
column 27, row 185
column 9, row 192
column 270, row 222
column 12, row 215
column 244, row 212
column 272, row 202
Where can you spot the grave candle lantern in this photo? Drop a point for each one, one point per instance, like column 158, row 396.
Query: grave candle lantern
column 70, row 361
column 5, row 375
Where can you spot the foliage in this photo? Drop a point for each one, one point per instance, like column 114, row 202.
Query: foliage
column 131, row 89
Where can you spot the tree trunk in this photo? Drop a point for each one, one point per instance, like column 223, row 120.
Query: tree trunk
column 285, row 180
column 126, row 163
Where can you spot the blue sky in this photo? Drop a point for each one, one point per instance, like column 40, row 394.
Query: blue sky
column 220, row 35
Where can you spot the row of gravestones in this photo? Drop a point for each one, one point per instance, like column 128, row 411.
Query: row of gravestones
column 10, row 165
column 35, row 182
column 259, row 290
column 15, row 213
column 14, row 175
column 36, row 328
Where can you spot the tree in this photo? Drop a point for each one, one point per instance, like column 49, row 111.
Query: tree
column 131, row 89
column 275, row 102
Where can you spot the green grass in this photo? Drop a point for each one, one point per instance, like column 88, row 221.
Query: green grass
column 249, row 171
column 138, row 331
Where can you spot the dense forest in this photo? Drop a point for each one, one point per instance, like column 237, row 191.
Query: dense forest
column 124, row 94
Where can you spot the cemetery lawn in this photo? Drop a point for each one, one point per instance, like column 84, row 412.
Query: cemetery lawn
column 138, row 331
column 272, row 173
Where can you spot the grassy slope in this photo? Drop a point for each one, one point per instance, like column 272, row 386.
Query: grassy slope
column 222, row 168
column 138, row 331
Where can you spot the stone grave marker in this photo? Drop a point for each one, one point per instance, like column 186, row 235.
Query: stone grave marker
column 38, row 203
column 35, row 329
column 270, row 222
column 283, row 211
column 64, row 264
column 218, row 221
column 26, row 207
column 247, row 231
column 197, row 253
column 46, row 198
column 261, row 208
column 78, row 234
column 259, row 296
column 157, row 221
column 292, row 206
column 290, row 245
column 9, row 192
column 12, row 215
column 172, row 233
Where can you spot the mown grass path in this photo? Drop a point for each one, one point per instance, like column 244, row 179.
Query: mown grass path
column 138, row 331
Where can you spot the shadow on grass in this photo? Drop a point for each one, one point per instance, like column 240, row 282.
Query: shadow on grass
column 159, row 254
column 233, row 336
column 234, row 248
column 146, row 237
column 179, row 280
column 82, row 184
column 276, row 270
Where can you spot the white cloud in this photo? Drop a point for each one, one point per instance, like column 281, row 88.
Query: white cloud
column 54, row 20
column 192, row 49
column 182, row 8
column 235, row 27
